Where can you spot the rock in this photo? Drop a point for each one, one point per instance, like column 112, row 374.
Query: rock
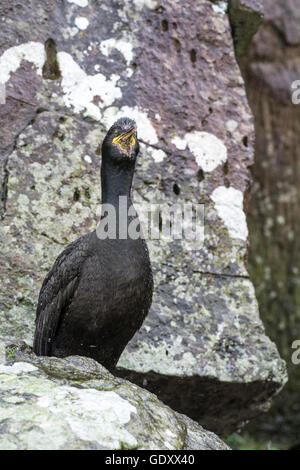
column 203, row 348
column 270, row 68
column 75, row 403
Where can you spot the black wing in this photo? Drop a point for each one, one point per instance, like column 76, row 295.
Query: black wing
column 57, row 292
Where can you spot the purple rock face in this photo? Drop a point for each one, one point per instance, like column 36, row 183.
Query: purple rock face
column 172, row 68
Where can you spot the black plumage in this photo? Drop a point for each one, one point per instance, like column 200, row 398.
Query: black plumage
column 99, row 291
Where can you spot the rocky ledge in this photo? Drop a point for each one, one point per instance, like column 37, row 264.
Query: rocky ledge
column 75, row 403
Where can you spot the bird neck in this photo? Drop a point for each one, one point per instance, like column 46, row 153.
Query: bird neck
column 116, row 181
column 117, row 211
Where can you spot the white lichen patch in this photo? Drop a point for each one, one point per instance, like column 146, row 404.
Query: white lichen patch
column 81, row 22
column 97, row 407
column 79, row 3
column 17, row 368
column 209, row 151
column 124, row 46
column 179, row 143
column 87, row 158
column 145, row 127
column 229, row 206
column 80, row 88
column 11, row 59
column 158, row 155
column 129, row 72
column 231, row 125
column 70, row 32
column 220, row 7
column 144, row 3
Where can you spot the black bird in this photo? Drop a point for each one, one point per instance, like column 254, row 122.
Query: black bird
column 99, row 290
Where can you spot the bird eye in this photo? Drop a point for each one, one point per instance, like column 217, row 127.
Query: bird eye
column 116, row 133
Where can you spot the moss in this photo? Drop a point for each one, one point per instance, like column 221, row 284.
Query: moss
column 244, row 21
column 245, row 441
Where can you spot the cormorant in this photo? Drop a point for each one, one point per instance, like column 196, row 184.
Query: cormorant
column 99, row 290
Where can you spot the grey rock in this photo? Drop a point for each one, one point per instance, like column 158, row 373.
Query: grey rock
column 75, row 403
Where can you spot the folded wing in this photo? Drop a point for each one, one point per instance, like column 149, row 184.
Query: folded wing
column 57, row 292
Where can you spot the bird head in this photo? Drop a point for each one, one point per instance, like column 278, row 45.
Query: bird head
column 121, row 143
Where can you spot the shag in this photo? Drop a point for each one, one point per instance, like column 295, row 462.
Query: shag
column 99, row 290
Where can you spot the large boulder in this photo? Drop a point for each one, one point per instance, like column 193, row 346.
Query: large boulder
column 75, row 403
column 172, row 66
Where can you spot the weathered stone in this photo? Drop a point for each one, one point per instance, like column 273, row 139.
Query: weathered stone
column 172, row 67
column 75, row 403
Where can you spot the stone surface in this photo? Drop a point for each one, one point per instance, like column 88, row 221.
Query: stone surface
column 203, row 348
column 75, row 403
column 270, row 68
